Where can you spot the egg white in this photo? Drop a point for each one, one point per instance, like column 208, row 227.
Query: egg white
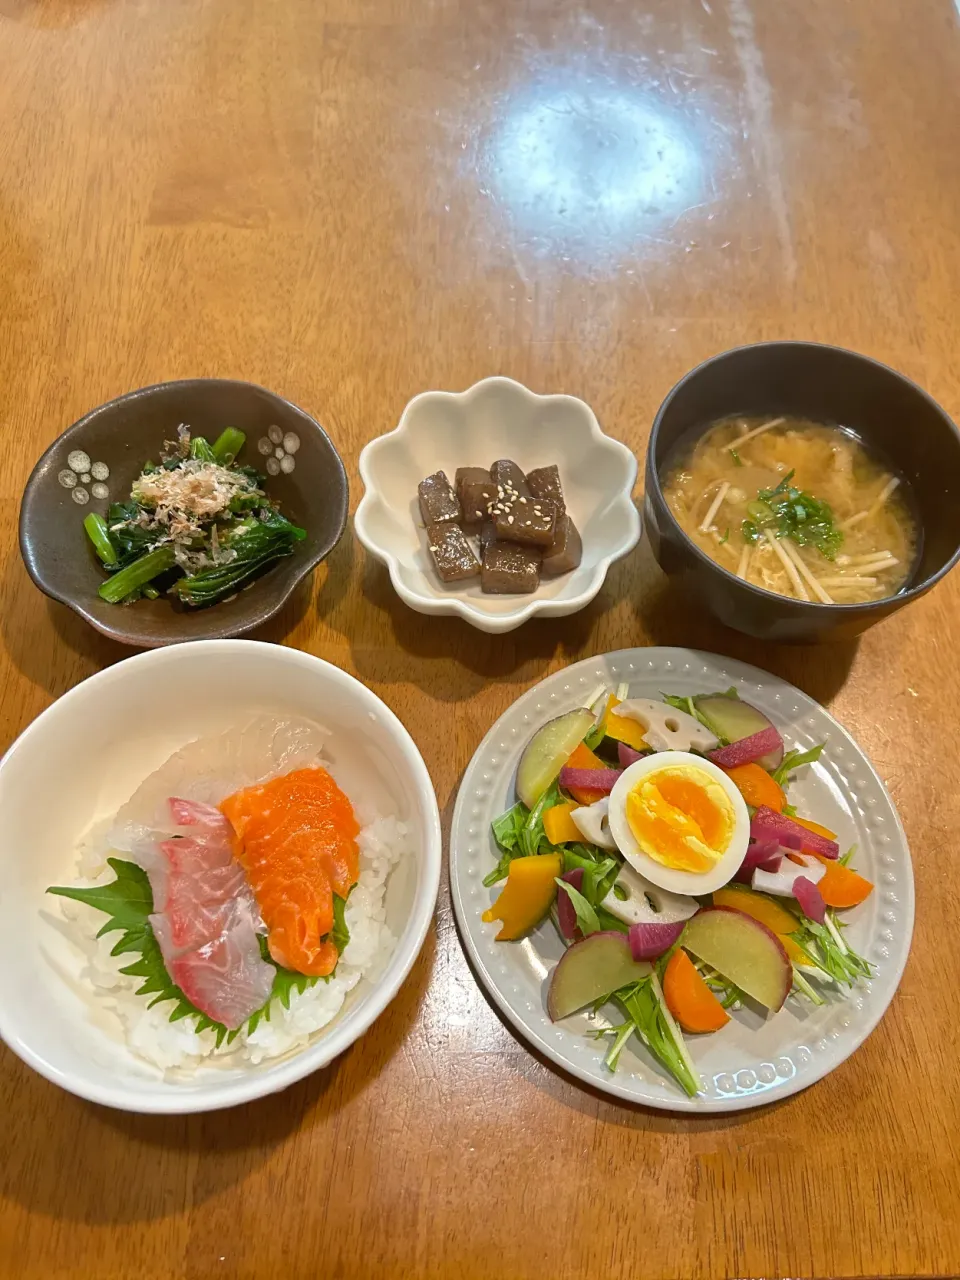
column 669, row 878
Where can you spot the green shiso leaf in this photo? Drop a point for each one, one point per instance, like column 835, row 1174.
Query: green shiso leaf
column 127, row 901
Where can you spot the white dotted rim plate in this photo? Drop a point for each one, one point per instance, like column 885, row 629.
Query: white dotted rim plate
column 753, row 1061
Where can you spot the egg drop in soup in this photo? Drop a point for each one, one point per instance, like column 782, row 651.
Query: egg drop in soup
column 795, row 507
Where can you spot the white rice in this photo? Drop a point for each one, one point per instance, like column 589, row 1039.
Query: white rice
column 175, row 1047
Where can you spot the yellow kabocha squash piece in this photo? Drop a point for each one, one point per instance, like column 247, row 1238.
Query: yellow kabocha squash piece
column 558, row 826
column 629, row 732
column 527, row 896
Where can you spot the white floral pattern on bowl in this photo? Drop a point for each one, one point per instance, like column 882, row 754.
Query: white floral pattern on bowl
column 84, row 478
column 496, row 418
column 278, row 448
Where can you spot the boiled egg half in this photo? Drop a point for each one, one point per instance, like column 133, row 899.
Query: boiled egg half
column 679, row 820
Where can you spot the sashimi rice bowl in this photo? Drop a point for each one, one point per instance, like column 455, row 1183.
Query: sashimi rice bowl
column 235, row 882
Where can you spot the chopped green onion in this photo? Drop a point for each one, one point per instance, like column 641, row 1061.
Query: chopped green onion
column 137, row 575
column 737, row 460
column 151, row 592
column 761, row 513
column 798, row 515
column 99, row 535
column 227, row 445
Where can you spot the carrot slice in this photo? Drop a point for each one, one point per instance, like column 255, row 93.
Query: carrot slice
column 689, row 998
column 584, row 758
column 757, row 787
column 842, row 887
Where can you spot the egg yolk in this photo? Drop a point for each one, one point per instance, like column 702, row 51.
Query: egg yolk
column 681, row 817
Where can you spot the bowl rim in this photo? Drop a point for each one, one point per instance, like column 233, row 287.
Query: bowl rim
column 808, row 607
column 472, row 611
column 118, row 633
column 317, row 1053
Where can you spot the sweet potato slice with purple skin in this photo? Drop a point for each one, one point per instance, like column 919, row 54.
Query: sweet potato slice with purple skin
column 744, row 950
column 589, row 970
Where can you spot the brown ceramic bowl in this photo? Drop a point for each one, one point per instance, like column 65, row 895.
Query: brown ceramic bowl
column 124, row 434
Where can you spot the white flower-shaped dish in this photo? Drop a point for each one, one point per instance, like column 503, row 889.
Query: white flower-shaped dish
column 496, row 418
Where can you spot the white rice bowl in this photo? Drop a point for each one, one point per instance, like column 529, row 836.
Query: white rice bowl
column 66, row 785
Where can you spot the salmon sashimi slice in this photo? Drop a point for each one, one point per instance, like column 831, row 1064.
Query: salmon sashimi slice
column 204, row 916
column 295, row 837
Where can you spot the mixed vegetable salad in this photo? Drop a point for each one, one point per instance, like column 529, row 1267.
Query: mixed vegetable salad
column 658, row 837
column 197, row 525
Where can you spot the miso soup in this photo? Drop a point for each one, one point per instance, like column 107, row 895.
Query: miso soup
column 795, row 507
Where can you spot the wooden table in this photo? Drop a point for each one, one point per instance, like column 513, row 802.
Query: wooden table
column 350, row 201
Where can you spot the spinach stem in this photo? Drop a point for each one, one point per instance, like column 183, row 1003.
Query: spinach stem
column 99, row 535
column 227, row 445
column 138, row 574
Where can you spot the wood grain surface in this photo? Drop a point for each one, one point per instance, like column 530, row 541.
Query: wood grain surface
column 350, row 201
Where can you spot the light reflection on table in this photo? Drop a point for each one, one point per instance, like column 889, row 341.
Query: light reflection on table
column 580, row 164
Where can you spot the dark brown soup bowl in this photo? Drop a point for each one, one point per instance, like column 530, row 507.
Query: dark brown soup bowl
column 129, row 431
column 890, row 414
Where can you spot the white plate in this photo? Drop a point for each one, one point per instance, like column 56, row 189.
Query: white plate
column 496, row 418
column 752, row 1060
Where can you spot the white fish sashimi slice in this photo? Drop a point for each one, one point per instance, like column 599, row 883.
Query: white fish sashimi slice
column 209, row 769
column 227, row 978
column 205, row 917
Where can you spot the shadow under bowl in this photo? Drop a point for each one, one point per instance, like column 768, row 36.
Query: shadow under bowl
column 127, row 432
column 888, row 412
